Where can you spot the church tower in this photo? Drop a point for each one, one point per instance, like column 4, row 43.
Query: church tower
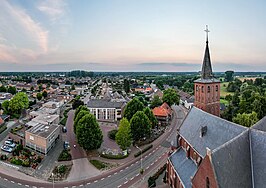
column 207, row 88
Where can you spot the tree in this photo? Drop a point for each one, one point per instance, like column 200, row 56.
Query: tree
column 18, row 102
column 44, row 94
column 235, row 99
column 140, row 126
column 88, row 132
column 126, row 85
column 156, row 101
column 150, row 115
column 12, row 90
column 32, row 88
column 3, row 88
column 82, row 107
column 229, row 76
column 73, row 87
column 76, row 103
column 228, row 98
column 132, row 107
column 5, row 106
column 246, row 120
column 39, row 96
column 123, row 136
column 171, row 97
column 79, row 117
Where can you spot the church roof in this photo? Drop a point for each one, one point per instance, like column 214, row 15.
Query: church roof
column 219, row 131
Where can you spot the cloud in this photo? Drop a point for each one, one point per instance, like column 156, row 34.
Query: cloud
column 167, row 64
column 55, row 9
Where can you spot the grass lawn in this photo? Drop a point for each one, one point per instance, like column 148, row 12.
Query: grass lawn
column 223, row 92
column 99, row 164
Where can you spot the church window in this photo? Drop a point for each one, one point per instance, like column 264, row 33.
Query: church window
column 209, row 89
column 197, row 87
column 216, row 87
column 207, row 183
column 202, row 89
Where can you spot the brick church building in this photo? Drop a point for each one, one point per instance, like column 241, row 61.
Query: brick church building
column 212, row 152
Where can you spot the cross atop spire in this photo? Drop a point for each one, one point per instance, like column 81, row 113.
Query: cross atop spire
column 207, row 31
column 206, row 71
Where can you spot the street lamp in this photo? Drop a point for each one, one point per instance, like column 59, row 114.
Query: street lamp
column 141, row 169
column 53, row 178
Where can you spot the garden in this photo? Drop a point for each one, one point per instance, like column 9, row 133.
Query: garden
column 60, row 172
column 24, row 157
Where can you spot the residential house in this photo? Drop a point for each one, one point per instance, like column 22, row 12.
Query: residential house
column 163, row 114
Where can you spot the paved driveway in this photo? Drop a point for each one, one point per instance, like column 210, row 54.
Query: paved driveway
column 77, row 152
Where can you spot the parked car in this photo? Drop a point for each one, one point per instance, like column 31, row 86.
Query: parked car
column 66, row 145
column 6, row 148
column 10, row 144
column 64, row 129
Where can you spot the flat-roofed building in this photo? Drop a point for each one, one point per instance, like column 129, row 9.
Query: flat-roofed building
column 41, row 137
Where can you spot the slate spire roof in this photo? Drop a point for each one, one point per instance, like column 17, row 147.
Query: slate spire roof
column 206, row 71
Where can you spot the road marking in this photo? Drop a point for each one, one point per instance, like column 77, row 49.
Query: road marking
column 136, row 162
column 119, row 186
column 115, row 173
column 121, row 170
column 131, row 164
column 125, row 182
column 137, row 175
column 149, row 153
column 147, row 167
column 12, row 181
column 19, row 184
column 109, row 176
column 27, row 185
column 88, row 183
column 102, row 179
column 73, row 186
column 132, row 178
column 152, row 163
column 81, row 185
column 127, row 167
column 156, row 160
column 5, row 179
column 95, row 181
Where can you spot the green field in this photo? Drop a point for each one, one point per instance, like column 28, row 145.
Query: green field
column 223, row 92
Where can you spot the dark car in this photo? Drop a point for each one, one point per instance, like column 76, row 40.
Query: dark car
column 64, row 129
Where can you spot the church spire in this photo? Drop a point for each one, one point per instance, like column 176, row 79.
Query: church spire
column 206, row 71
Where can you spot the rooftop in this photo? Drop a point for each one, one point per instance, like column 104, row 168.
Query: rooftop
column 43, row 130
column 104, row 103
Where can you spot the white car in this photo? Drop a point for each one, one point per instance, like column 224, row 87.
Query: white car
column 6, row 148
column 10, row 144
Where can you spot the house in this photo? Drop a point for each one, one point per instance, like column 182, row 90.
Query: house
column 213, row 152
column 106, row 109
column 51, row 108
column 186, row 99
column 42, row 137
column 163, row 114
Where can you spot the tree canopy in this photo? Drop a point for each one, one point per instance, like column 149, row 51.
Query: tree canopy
column 39, row 96
column 171, row 97
column 156, row 101
column 123, row 136
column 82, row 107
column 18, row 102
column 246, row 120
column 76, row 103
column 88, row 133
column 132, row 107
column 150, row 115
column 140, row 126
column 79, row 117
column 12, row 90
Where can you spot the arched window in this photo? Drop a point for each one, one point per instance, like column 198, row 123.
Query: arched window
column 202, row 89
column 197, row 87
column 216, row 87
column 207, row 183
column 209, row 89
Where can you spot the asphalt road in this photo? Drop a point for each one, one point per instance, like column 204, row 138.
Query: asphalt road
column 124, row 176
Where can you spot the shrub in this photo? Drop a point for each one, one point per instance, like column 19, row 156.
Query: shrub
column 152, row 179
column 61, row 169
column 2, row 128
column 26, row 163
column 63, row 121
column 98, row 164
column 110, row 156
column 19, row 147
column 65, row 156
column 3, row 157
column 112, row 133
column 143, row 150
column 16, row 161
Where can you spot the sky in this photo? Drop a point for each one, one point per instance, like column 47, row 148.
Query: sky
column 131, row 35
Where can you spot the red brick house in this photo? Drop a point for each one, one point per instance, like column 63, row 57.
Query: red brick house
column 163, row 114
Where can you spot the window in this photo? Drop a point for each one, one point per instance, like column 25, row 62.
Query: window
column 216, row 87
column 202, row 89
column 197, row 87
column 31, row 137
column 209, row 89
column 207, row 183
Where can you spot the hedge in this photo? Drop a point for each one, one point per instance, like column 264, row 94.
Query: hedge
column 63, row 121
column 143, row 150
column 152, row 179
column 98, row 164
column 65, row 156
column 110, row 156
